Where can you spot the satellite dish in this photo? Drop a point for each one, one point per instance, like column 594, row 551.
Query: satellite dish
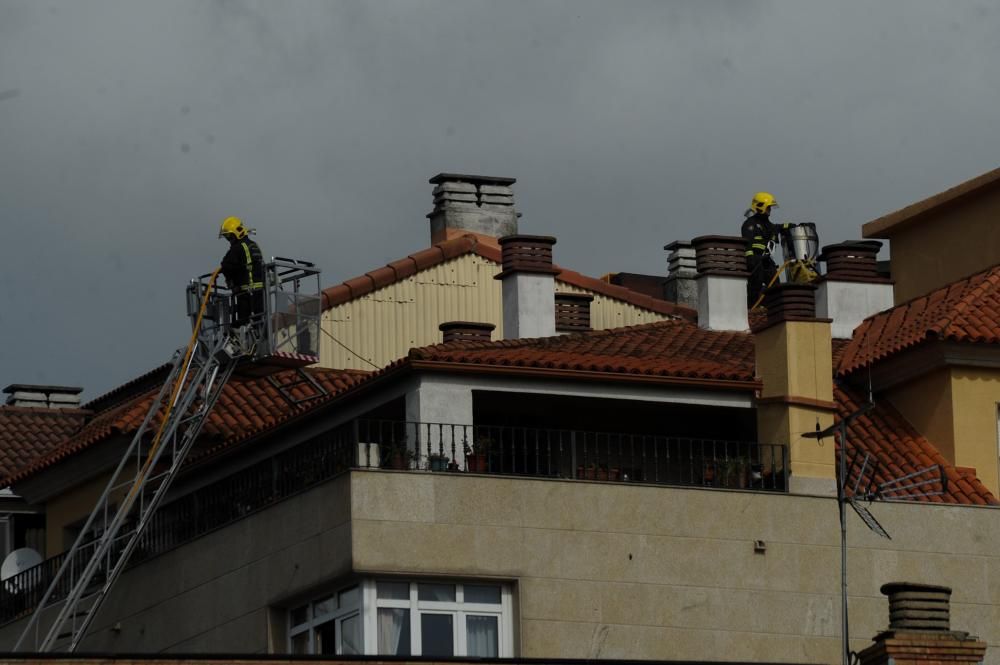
column 17, row 562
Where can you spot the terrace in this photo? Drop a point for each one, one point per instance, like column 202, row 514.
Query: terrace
column 421, row 447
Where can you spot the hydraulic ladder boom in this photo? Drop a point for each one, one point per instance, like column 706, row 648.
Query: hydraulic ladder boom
column 115, row 527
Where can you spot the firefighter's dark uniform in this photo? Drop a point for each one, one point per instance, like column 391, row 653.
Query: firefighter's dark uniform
column 243, row 268
column 758, row 231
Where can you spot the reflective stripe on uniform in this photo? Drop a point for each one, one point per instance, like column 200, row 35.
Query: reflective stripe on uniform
column 251, row 285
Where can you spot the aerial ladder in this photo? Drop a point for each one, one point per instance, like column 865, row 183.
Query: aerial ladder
column 284, row 336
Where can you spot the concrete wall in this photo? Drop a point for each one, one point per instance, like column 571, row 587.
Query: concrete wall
column 383, row 325
column 948, row 245
column 625, row 571
column 598, row 569
column 956, row 409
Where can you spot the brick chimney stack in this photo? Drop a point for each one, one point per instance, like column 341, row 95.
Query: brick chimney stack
column 851, row 290
column 46, row 397
column 466, row 331
column 478, row 204
column 919, row 630
column 721, row 282
column 794, row 357
column 528, row 286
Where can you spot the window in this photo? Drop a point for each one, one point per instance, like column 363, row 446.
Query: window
column 406, row 618
column 330, row 625
column 441, row 619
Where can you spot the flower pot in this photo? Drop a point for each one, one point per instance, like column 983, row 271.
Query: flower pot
column 437, row 462
column 476, row 463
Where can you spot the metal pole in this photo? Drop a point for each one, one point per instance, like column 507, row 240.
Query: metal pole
column 841, row 499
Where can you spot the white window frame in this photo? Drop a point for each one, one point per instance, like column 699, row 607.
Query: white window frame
column 458, row 609
column 337, row 617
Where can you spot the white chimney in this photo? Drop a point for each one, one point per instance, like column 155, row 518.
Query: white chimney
column 45, row 397
column 478, row 204
column 722, row 282
column 528, row 284
column 851, row 290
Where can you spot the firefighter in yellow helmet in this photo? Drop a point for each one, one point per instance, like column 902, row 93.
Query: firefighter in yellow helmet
column 760, row 234
column 243, row 268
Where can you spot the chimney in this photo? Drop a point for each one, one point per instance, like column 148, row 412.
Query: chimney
column 466, row 331
column 682, row 273
column 721, row 282
column 793, row 352
column 852, row 288
column 919, row 630
column 528, row 286
column 477, row 204
column 573, row 312
column 46, row 397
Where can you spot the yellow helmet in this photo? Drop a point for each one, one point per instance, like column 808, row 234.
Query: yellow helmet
column 233, row 226
column 763, row 202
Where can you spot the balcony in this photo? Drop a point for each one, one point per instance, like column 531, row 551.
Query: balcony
column 613, row 457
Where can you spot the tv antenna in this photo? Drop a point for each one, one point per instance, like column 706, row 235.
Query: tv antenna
column 909, row 487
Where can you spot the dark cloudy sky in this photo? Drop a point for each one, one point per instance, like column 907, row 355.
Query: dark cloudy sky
column 129, row 129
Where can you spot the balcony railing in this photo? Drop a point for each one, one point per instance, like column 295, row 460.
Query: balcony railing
column 436, row 447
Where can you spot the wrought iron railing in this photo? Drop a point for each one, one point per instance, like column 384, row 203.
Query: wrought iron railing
column 504, row 450
column 563, row 453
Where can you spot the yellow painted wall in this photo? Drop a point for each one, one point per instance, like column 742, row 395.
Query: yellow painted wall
column 945, row 247
column 794, row 360
column 70, row 508
column 955, row 408
column 383, row 325
column 926, row 402
column 976, row 393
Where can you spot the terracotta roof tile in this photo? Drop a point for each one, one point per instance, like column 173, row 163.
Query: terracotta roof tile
column 965, row 311
column 27, row 433
column 455, row 247
column 900, row 450
column 246, row 408
column 672, row 348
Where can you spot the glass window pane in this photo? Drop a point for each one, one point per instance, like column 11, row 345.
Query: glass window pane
column 300, row 615
column 393, row 590
column 350, row 636
column 439, row 592
column 350, row 597
column 300, row 643
column 481, row 636
column 326, row 639
column 325, row 606
column 393, row 632
column 436, row 635
column 475, row 593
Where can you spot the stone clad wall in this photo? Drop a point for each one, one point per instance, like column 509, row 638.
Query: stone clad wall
column 599, row 570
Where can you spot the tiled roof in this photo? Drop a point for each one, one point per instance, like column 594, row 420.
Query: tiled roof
column 671, row 348
column 965, row 311
column 247, row 407
column 900, row 450
column 466, row 244
column 885, row 226
column 27, row 433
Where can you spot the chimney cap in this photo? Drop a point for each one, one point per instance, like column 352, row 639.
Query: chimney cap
column 466, row 331
column 677, row 244
column 30, row 387
column 469, row 177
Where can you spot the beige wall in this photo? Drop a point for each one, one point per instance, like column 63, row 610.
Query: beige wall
column 626, row 571
column 383, row 325
column 599, row 570
column 946, row 246
column 955, row 408
column 71, row 507
column 794, row 361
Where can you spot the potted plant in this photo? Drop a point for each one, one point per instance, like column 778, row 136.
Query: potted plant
column 597, row 472
column 437, row 462
column 477, row 456
column 735, row 472
column 398, row 456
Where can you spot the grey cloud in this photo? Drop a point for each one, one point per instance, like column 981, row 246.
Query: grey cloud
column 140, row 125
